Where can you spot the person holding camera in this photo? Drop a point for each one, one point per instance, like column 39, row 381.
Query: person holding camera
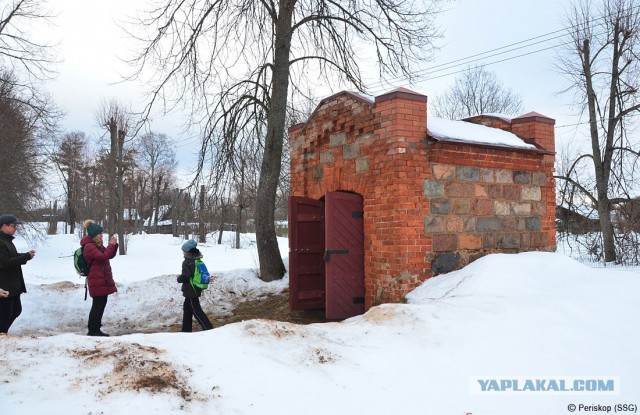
column 100, row 279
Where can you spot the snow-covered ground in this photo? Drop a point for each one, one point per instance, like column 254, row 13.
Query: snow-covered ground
column 533, row 316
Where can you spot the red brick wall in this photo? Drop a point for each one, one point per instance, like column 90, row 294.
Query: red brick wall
column 330, row 153
column 426, row 205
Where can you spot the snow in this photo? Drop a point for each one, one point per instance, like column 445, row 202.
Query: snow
column 467, row 132
column 533, row 315
column 504, row 117
column 362, row 95
column 463, row 131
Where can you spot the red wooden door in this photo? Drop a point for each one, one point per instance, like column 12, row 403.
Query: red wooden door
column 344, row 255
column 306, row 249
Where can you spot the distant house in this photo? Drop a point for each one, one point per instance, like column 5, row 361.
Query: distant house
column 385, row 196
column 568, row 220
column 627, row 215
column 164, row 220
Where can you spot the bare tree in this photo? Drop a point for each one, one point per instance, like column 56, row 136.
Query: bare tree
column 138, row 182
column 247, row 52
column 117, row 121
column 224, row 211
column 18, row 49
column 603, row 68
column 476, row 91
column 92, row 186
column 245, row 186
column 179, row 210
column 69, row 159
column 21, row 157
column 27, row 59
column 157, row 157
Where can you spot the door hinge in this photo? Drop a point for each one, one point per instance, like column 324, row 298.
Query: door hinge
column 329, row 252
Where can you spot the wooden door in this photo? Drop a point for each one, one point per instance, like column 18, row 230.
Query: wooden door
column 344, row 255
column 306, row 250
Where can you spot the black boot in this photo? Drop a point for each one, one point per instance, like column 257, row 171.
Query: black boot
column 98, row 333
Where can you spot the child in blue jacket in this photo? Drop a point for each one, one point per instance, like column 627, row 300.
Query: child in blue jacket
column 191, row 293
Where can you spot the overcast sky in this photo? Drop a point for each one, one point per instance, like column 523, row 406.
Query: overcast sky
column 91, row 43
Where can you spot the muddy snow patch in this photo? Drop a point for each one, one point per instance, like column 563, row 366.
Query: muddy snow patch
column 133, row 367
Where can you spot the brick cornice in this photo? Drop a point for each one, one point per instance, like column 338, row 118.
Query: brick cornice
column 353, row 95
column 533, row 117
column 401, row 93
column 297, row 126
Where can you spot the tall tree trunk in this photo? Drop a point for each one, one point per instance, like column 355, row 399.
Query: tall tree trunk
column 601, row 167
column 202, row 237
column 175, row 211
column 606, row 227
column 271, row 265
column 156, row 217
column 120, row 195
column 142, row 183
column 53, row 219
column 240, row 206
column 152, row 202
column 221, row 227
column 111, row 176
column 223, row 215
column 71, row 201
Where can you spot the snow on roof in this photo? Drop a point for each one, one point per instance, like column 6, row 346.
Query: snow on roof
column 504, row 117
column 364, row 96
column 449, row 130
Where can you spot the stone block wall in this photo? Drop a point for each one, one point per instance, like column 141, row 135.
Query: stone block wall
column 479, row 210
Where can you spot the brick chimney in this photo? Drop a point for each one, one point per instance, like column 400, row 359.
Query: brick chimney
column 403, row 119
column 539, row 129
column 535, row 127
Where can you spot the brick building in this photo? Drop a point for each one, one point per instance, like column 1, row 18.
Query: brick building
column 382, row 199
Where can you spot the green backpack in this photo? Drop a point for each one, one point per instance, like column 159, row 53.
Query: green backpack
column 82, row 267
column 201, row 276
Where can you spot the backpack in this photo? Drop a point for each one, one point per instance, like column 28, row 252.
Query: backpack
column 201, row 276
column 82, row 268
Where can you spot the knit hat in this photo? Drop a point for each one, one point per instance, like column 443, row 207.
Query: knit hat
column 93, row 229
column 189, row 245
column 8, row 220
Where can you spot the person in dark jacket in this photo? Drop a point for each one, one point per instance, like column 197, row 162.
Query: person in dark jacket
column 190, row 292
column 11, row 279
column 100, row 278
